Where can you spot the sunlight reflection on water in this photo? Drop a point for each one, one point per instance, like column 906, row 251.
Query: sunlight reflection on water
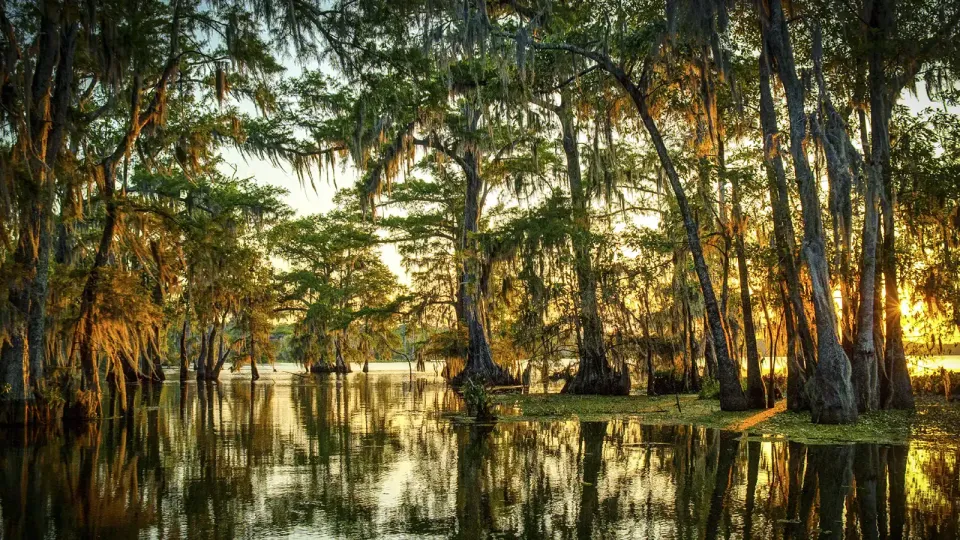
column 376, row 455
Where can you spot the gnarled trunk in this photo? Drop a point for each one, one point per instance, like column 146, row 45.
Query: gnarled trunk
column 480, row 364
column 784, row 236
column 594, row 375
column 830, row 389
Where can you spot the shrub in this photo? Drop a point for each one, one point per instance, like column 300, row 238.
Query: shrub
column 709, row 388
column 477, row 398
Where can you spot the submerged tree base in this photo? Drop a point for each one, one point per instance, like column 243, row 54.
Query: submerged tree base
column 24, row 412
column 613, row 383
column 492, row 375
column 831, row 399
column 329, row 368
column 86, row 406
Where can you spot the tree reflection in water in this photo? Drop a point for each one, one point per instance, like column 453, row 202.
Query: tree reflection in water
column 368, row 455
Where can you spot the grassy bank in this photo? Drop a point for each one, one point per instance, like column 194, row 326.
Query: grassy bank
column 934, row 421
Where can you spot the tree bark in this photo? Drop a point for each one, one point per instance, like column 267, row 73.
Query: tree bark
column 865, row 378
column 830, row 389
column 22, row 359
column 882, row 20
column 594, row 375
column 784, row 239
column 732, row 397
column 755, row 394
column 479, row 364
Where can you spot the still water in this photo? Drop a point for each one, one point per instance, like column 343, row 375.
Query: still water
column 377, row 456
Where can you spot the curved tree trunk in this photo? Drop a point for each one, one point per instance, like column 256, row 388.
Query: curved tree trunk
column 755, row 394
column 784, row 236
column 830, row 389
column 732, row 397
column 88, row 404
column 479, row 364
column 731, row 394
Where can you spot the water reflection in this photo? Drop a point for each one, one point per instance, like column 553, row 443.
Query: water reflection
column 373, row 455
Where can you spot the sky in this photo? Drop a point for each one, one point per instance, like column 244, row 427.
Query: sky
column 306, row 199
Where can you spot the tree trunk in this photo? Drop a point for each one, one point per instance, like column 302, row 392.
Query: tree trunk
column 784, row 236
column 864, row 362
column 479, row 364
column 830, row 389
column 878, row 324
column 88, row 404
column 22, row 359
column 212, row 355
column 202, row 358
column 341, row 365
column 796, row 397
column 882, row 98
column 755, row 393
column 254, row 372
column 224, row 355
column 594, row 375
column 185, row 345
column 731, row 394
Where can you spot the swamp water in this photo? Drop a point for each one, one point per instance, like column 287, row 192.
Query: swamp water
column 377, row 456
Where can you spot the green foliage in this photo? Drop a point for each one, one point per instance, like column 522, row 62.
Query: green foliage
column 337, row 288
column 709, row 388
column 477, row 398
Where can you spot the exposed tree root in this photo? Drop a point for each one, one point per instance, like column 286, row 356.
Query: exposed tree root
column 611, row 383
column 492, row 375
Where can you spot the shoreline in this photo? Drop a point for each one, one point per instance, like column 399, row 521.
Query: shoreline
column 934, row 420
